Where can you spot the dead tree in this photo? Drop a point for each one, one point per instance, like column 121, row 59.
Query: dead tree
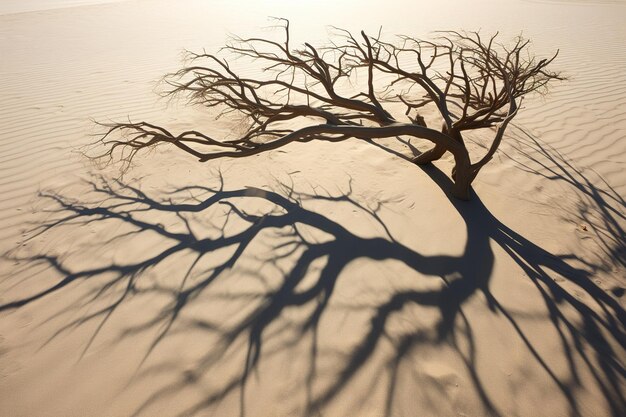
column 473, row 82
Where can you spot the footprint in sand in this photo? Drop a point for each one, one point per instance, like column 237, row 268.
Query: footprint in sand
column 446, row 379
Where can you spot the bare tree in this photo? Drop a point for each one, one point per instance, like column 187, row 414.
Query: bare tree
column 474, row 83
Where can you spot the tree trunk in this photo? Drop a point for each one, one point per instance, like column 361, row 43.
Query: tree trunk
column 462, row 174
column 462, row 186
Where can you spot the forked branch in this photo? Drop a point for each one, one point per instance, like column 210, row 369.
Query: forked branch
column 473, row 83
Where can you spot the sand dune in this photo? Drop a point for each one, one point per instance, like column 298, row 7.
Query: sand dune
column 121, row 297
column 24, row 6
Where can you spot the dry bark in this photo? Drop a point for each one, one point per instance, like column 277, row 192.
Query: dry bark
column 474, row 83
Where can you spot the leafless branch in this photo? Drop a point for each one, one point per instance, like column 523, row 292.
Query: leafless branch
column 474, row 83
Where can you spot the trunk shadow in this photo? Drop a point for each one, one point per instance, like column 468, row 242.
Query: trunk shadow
column 309, row 269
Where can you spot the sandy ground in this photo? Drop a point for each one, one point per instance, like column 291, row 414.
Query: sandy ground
column 375, row 294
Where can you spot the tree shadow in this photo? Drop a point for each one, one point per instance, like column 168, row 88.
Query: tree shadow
column 306, row 254
column 598, row 205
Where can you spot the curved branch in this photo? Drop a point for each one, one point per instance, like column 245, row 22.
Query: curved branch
column 482, row 82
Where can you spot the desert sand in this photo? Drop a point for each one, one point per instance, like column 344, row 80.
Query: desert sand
column 141, row 296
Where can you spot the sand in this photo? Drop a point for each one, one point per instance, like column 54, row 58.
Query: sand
column 129, row 296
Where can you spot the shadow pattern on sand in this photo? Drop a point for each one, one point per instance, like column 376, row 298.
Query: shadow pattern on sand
column 601, row 208
column 590, row 339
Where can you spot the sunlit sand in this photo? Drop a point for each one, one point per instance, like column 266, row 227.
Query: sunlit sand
column 319, row 278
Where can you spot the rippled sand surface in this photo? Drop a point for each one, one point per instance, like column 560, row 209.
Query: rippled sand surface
column 377, row 295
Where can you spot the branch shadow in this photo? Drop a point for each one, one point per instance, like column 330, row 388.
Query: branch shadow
column 307, row 254
column 598, row 205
